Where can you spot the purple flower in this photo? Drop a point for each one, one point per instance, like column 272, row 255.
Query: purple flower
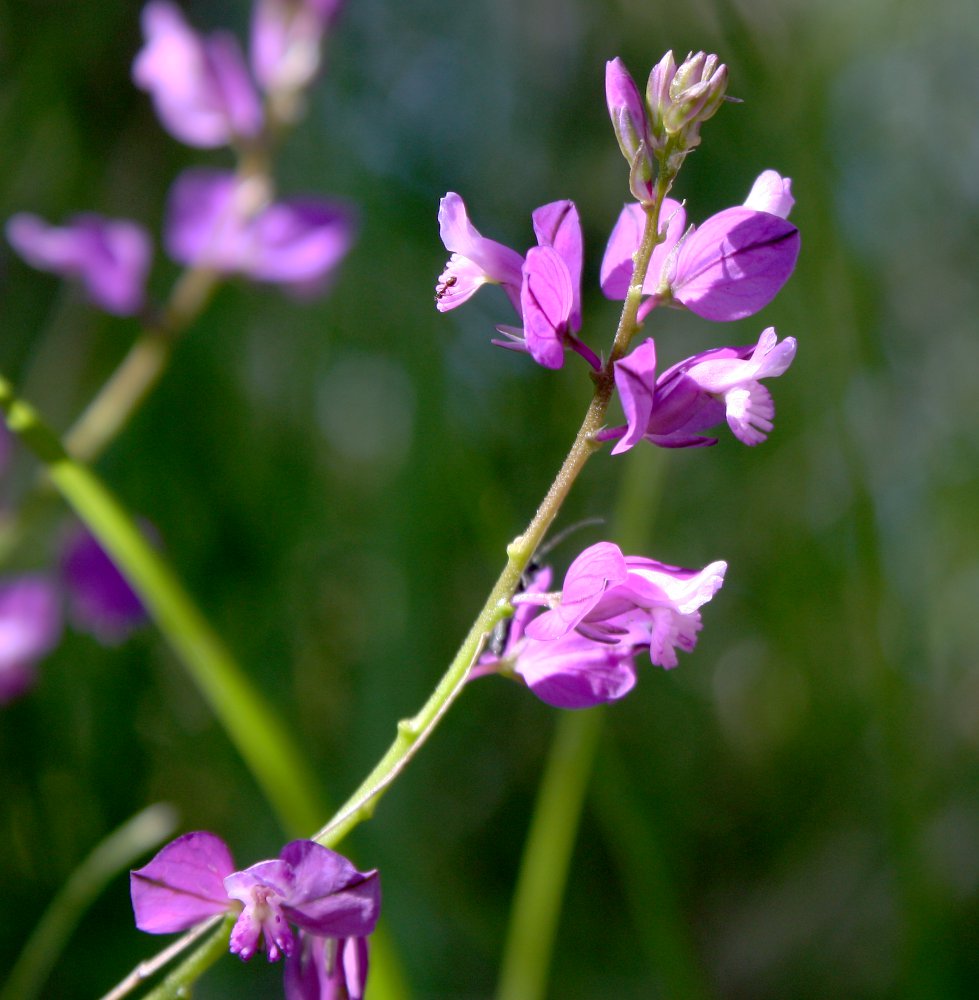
column 544, row 287
column 200, row 86
column 698, row 393
column 30, row 627
column 581, row 651
column 297, row 242
column 609, row 597
column 728, row 268
column 308, row 885
column 475, row 260
column 286, row 38
column 110, row 257
column 569, row 672
column 100, row 601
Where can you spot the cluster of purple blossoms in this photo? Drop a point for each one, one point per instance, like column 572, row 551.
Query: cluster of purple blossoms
column 226, row 222
column 333, row 905
column 580, row 650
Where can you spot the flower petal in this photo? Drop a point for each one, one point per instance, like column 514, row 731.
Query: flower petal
column 618, row 263
column 557, row 225
column 575, row 672
column 772, row 193
column 735, row 263
column 331, row 897
column 546, row 301
column 182, row 885
column 635, row 379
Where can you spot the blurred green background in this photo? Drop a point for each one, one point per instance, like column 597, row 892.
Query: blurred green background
column 794, row 812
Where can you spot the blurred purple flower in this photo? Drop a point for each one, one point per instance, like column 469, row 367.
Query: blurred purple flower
column 609, row 597
column 110, row 257
column 100, row 600
column 200, row 86
column 297, row 242
column 30, row 627
column 286, row 39
column 698, row 393
column 310, row 886
column 544, row 287
column 730, row 267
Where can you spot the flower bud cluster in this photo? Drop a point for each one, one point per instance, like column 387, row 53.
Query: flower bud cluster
column 660, row 129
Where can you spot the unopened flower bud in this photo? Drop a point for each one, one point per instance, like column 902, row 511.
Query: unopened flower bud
column 625, row 108
column 680, row 98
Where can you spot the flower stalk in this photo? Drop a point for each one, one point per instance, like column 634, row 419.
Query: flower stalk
column 412, row 733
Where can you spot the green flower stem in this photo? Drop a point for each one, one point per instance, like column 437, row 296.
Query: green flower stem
column 547, row 856
column 259, row 736
column 412, row 733
column 114, row 854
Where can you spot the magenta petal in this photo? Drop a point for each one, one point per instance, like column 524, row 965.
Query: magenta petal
column 617, row 263
column 233, row 86
column 331, row 897
column 200, row 87
column 771, row 192
column 325, row 968
column 546, row 301
column 635, row 379
column 735, row 263
column 459, row 235
column 575, row 672
column 600, row 566
column 100, row 599
column 182, row 885
column 557, row 225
